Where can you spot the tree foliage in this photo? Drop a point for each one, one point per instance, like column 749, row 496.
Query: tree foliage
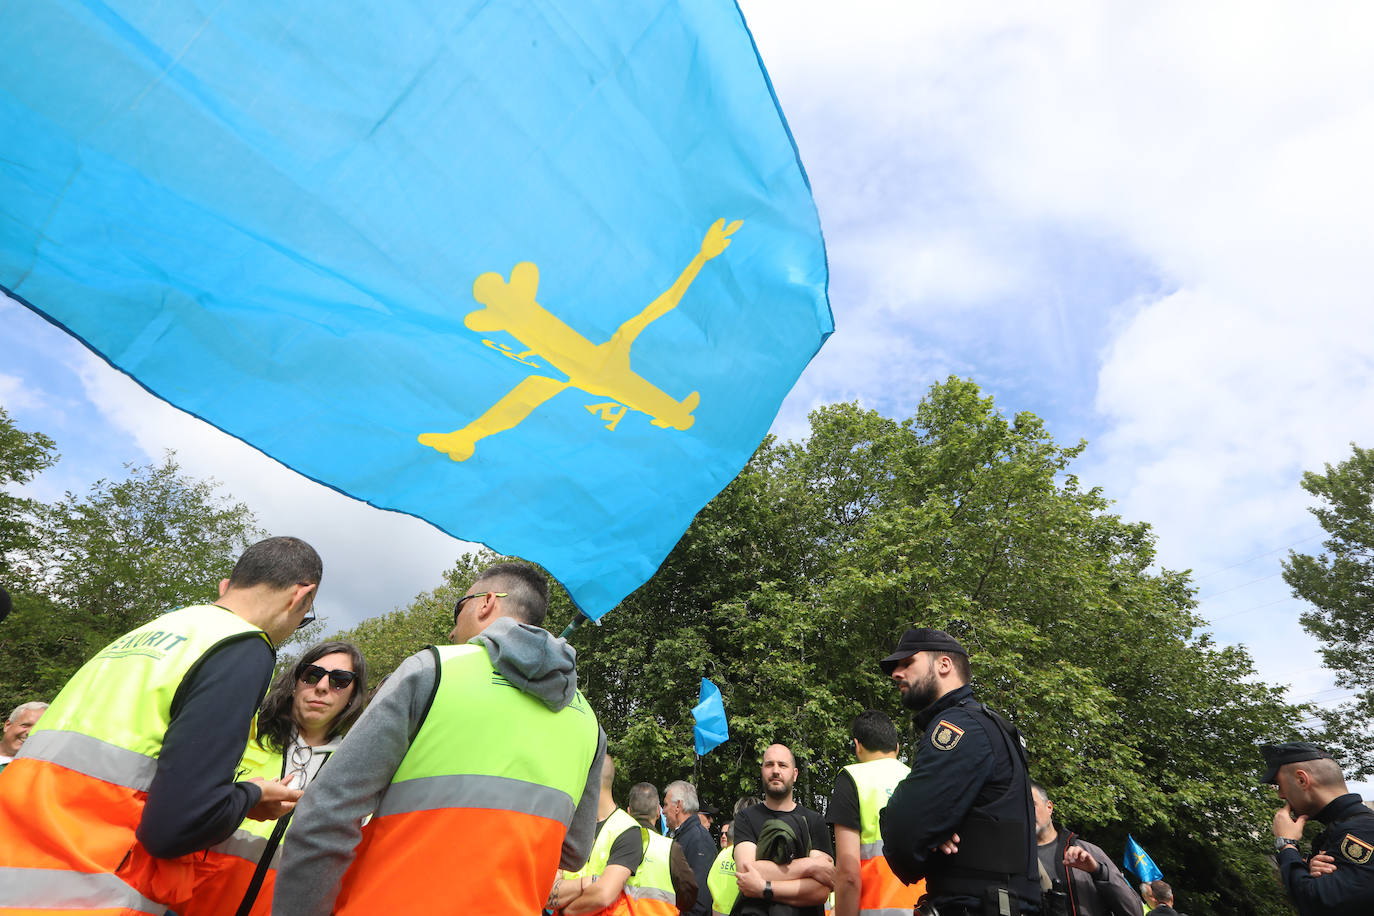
column 1339, row 585
column 91, row 567
column 23, row 456
column 800, row 575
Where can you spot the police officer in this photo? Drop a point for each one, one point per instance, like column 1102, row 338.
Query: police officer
column 963, row 819
column 1339, row 878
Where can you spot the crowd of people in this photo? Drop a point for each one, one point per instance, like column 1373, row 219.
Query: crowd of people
column 173, row 774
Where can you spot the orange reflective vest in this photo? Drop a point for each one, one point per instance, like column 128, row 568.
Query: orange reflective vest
column 475, row 815
column 71, row 802
column 881, row 892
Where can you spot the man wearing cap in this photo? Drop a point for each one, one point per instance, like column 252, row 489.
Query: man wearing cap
column 1341, row 878
column 963, row 819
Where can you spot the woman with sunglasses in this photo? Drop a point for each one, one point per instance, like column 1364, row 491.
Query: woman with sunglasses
column 301, row 722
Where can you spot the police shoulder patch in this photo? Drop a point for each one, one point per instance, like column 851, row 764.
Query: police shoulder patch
column 946, row 735
column 1356, row 849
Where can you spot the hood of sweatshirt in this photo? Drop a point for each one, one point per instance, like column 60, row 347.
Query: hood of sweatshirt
column 532, row 659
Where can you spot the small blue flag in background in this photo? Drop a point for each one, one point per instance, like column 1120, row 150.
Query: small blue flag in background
column 1139, row 863
column 711, row 729
column 540, row 273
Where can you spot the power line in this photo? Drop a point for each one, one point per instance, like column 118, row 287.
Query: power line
column 1242, row 585
column 1255, row 608
column 1256, row 557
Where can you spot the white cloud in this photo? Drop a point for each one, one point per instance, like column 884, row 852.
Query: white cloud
column 1227, row 145
column 15, row 394
column 373, row 560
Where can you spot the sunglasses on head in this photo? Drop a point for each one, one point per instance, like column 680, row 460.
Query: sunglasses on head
column 338, row 678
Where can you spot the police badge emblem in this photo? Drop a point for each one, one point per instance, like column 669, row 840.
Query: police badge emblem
column 1356, row 849
column 946, row 736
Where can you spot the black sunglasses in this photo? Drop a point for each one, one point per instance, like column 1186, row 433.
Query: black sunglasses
column 458, row 607
column 338, row 679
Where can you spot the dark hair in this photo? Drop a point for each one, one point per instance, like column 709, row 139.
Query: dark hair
column 874, row 730
column 961, row 666
column 280, row 562
column 643, row 800
column 1162, row 892
column 526, row 589
column 745, row 802
column 277, row 727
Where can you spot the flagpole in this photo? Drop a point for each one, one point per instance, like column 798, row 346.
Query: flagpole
column 576, row 622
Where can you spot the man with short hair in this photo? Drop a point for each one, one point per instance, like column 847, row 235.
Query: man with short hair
column 17, row 727
column 864, row 883
column 680, row 808
column 1341, row 876
column 963, row 817
column 479, row 761
column 782, row 849
column 131, row 771
column 617, row 852
column 1163, row 896
column 1082, row 872
column 663, row 884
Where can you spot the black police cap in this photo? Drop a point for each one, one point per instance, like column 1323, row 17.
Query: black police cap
column 1277, row 755
column 921, row 639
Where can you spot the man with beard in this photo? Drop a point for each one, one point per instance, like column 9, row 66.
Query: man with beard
column 1082, row 873
column 803, row 876
column 963, row 818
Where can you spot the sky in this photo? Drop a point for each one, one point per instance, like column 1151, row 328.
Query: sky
column 1150, row 224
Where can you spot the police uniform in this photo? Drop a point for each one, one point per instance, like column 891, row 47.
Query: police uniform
column 1348, row 838
column 968, row 777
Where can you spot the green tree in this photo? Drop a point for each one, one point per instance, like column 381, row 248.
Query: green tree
column 789, row 586
column 111, row 560
column 1339, row 585
column 23, row 456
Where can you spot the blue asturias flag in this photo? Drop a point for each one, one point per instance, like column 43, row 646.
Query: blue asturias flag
column 540, row 273
column 1139, row 863
column 711, row 729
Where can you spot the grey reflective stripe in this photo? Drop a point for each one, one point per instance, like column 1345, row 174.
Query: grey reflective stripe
column 718, row 913
column 429, row 793
column 887, row 911
column 92, row 757
column 871, row 850
column 650, row 893
column 55, row 889
column 243, row 844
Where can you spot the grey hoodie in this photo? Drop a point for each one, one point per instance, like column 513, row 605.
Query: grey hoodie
column 326, row 828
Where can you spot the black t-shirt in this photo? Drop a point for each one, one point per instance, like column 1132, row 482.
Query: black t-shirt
column 843, row 809
column 808, row 824
column 627, row 850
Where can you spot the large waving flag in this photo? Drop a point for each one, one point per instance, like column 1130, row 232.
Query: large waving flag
column 538, row 272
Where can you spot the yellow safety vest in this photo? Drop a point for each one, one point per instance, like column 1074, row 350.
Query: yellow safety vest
column 650, row 888
column 881, row 893
column 487, row 789
column 723, row 884
column 76, row 794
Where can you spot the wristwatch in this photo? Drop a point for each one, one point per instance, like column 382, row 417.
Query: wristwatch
column 768, row 891
column 1281, row 841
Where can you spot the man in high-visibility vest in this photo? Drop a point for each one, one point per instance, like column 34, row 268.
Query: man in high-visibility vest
column 480, row 763
column 864, row 884
column 664, row 884
column 722, row 880
column 132, row 769
column 598, row 887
